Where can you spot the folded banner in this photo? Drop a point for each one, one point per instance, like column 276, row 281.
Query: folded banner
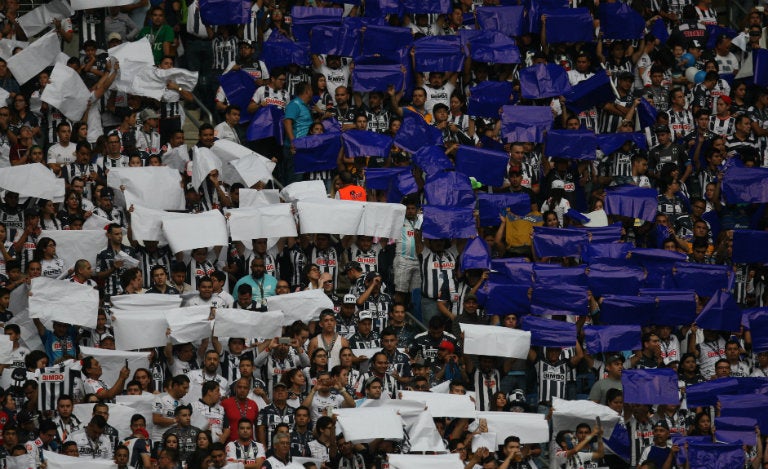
column 750, row 246
column 619, row 21
column 721, row 313
column 133, row 57
column 145, row 302
column 570, row 300
column 532, row 428
column 198, row 230
column 205, row 161
column 443, row 405
column 491, row 46
column 415, row 133
column 63, row 301
column 73, row 245
column 631, row 201
column 356, row 424
column 300, row 306
column 269, row 221
column 615, row 279
column 592, row 92
column 646, row 113
column 544, row 81
column 431, row 159
column 756, row 320
column 609, row 143
column 448, row 188
column 365, row 143
column 486, row 166
column 432, row 461
column 650, row 386
column 317, row 152
column 140, row 329
column 553, row 275
column 517, row 270
column 507, row 20
column 599, row 339
column 377, row 74
column 492, row 206
column 558, row 242
column 569, row 25
column 525, row 123
column 112, row 361
column 705, row 280
column 420, row 427
column 496, row 341
column 568, row 414
column 233, row 322
column 267, row 122
column 239, row 87
column 627, row 310
column 476, row 255
column 549, row 333
column 446, row 222
column 280, row 51
column 706, row 393
column 571, row 144
column 736, row 430
column 487, row 98
column 147, row 223
column 438, row 54
column 25, row 65
column 329, row 216
column 41, row 18
column 303, row 19
column 152, row 187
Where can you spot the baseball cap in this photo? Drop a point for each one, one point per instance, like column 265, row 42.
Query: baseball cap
column 661, row 129
column 349, row 299
column 371, row 275
column 351, row 265
column 245, row 43
column 364, row 314
column 107, row 192
column 662, row 424
column 279, row 385
column 147, row 114
column 114, row 37
column 371, row 380
column 613, row 359
column 694, row 43
column 447, row 345
column 725, row 99
column 558, row 184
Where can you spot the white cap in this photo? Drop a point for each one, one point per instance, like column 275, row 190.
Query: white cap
column 365, row 314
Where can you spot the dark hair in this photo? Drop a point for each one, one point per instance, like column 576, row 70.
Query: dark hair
column 209, row 386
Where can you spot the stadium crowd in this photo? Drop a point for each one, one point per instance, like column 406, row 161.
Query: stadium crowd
column 399, row 304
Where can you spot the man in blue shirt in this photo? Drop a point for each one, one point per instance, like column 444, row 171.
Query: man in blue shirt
column 298, row 120
column 262, row 284
column 59, row 343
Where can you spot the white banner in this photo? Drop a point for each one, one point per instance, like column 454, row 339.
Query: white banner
column 496, row 341
column 86, row 4
column 304, row 305
column 147, row 223
column 32, row 180
column 112, row 361
column 119, row 417
column 40, row 54
column 204, row 161
column 63, row 301
column 66, row 92
column 6, row 348
column 157, row 187
column 304, row 190
column 40, row 18
column 148, row 301
column 73, row 245
column 151, row 81
column 258, row 198
column 329, row 216
column 269, row 221
column 254, row 169
column 421, row 430
column 484, row 440
column 139, row 329
column 189, row 324
column 142, row 404
column 531, row 428
column 95, row 223
column 177, row 158
column 382, row 220
column 567, row 414
column 196, row 231
column 232, row 322
column 426, row 461
column 357, row 428
column 443, row 405
column 7, row 47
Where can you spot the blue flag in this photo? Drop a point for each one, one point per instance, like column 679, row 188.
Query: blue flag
column 503, row 298
column 431, row 159
column 441, row 222
column 377, row 74
column 599, row 252
column 303, row 19
column 627, row 310
column 507, row 20
column 224, row 12
column 549, row 333
column 239, row 87
column 760, row 67
column 714, row 31
column 415, row 133
column 476, row 255
column 615, row 279
column 525, row 123
column 600, row 339
column 592, row 92
column 659, row 30
column 449, row 188
column 631, row 201
column 746, row 185
column 491, row 46
column 715, row 455
column 266, row 122
column 487, row 98
column 736, row 430
column 619, row 21
column 721, row 313
column 673, row 307
column 609, row 143
column 317, row 152
column 619, row 442
column 426, row 6
column 604, row 234
column 380, row 8
column 704, row 279
column 398, row 182
column 487, row 166
column 756, row 320
column 492, row 206
column 570, row 300
column 646, row 113
column 279, row 51
column 553, row 275
column 745, row 405
column 438, row 54
column 544, row 81
column 385, row 39
column 558, row 242
column 360, row 143
column 569, row 25
column 650, row 386
column 343, row 40
column 570, row 144
column 750, row 246
column 515, row 269
column 706, row 393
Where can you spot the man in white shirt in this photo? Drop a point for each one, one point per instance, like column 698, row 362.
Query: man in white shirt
column 227, row 130
column 245, row 449
column 281, row 452
column 91, row 440
column 208, row 373
column 63, row 152
column 208, row 414
column 164, row 406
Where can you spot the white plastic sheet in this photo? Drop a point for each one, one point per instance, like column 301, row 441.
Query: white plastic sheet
column 421, row 430
column 426, row 461
column 304, row 305
column 157, row 187
column 198, row 230
column 204, row 162
column 151, row 81
column 253, row 169
column 496, row 341
column 146, row 302
column 63, row 301
column 443, row 405
column 567, row 414
column 189, row 324
column 32, row 60
column 147, row 223
column 112, row 361
column 142, row 404
column 233, row 322
column 382, row 219
column 258, row 198
column 73, row 245
column 66, row 92
column 531, row 428
column 119, row 417
column 41, row 17
column 329, row 216
column 304, row 190
column 8, row 45
column 177, row 158
column 356, row 424
column 32, row 180
column 139, row 329
column 269, row 221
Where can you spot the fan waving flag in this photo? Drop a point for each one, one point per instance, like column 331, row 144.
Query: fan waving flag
column 476, row 255
column 507, row 20
column 487, row 166
column 631, row 201
column 223, row 12
column 592, row 92
column 487, row 98
column 569, row 25
column 448, row 222
column 619, row 21
column 599, row 339
column 650, row 386
column 721, row 313
column 438, row 54
column 491, row 46
column 526, row 123
column 238, row 87
column 267, row 122
column 317, row 152
column 544, row 81
column 570, row 144
column 303, row 19
column 363, row 143
column 415, row 133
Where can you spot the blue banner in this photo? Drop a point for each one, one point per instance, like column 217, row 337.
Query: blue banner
column 571, row 144
column 620, row 22
column 706, row 393
column 650, row 386
column 604, row 234
column 592, row 92
column 525, row 123
column 756, row 320
column 385, row 39
column 239, row 87
column 721, row 313
column 317, row 152
column 267, row 122
column 750, row 246
column 544, row 81
column 491, row 47
column 415, row 133
column 362, row 143
column 487, row 98
column 438, row 54
column 715, row 455
column 631, row 201
column 377, row 74
column 760, row 67
column 646, row 113
column 746, row 185
column 486, row 166
column 569, row 25
column 607, row 279
column 627, row 310
column 736, row 430
column 303, row 19
column 565, row 299
column 601, row 339
column 609, row 143
column 279, row 51
column 476, row 255
column 549, row 333
column 503, row 299
column 507, row 20
column 745, row 405
column 431, row 159
column 558, row 242
column 554, row 275
column 515, row 269
column 426, row 6
column 343, row 40
column 224, row 12
column 493, row 206
column 673, row 307
column 449, row 188
column 448, row 222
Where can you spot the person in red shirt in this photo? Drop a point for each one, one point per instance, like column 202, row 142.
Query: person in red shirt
column 239, row 406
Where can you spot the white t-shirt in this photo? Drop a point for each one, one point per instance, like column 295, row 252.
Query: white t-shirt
column 62, row 155
column 440, row 95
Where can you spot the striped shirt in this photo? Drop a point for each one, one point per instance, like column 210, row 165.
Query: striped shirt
column 224, row 52
column 251, row 29
column 148, row 141
column 434, row 267
column 268, row 95
column 406, row 244
column 723, row 127
column 486, row 385
column 327, row 260
column 197, row 270
column 55, row 381
column 104, row 261
column 681, row 122
column 378, row 121
column 147, row 260
column 369, row 260
column 298, row 260
column 552, row 378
